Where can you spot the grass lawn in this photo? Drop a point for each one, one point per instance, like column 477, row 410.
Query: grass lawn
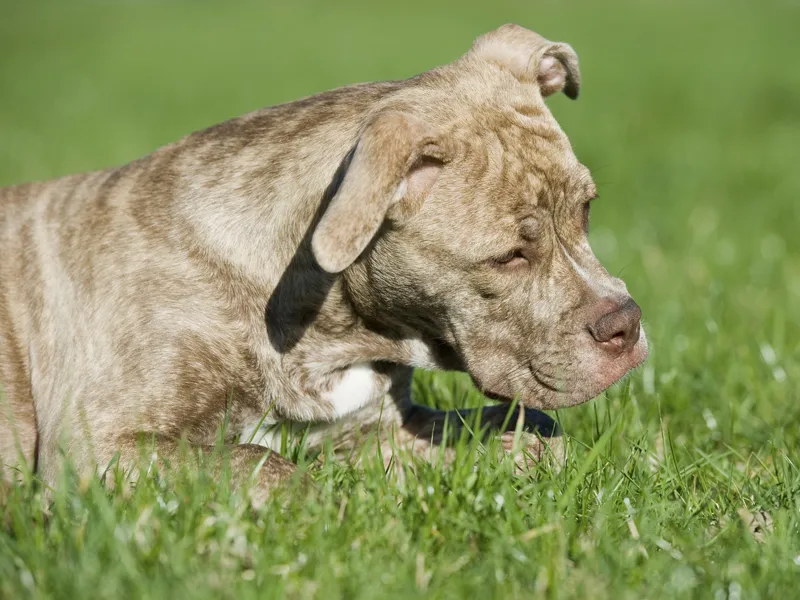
column 682, row 481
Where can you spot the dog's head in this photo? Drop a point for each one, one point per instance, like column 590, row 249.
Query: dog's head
column 462, row 218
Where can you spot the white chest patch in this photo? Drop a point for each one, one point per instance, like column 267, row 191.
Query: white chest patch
column 357, row 386
column 354, row 387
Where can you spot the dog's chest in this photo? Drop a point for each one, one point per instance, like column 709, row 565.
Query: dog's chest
column 353, row 388
column 347, row 392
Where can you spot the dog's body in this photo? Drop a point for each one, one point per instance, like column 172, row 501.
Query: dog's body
column 293, row 263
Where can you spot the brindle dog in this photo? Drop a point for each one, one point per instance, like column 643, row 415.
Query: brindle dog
column 299, row 261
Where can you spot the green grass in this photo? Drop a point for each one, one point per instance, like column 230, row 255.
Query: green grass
column 689, row 119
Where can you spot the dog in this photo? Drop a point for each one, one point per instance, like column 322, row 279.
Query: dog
column 292, row 266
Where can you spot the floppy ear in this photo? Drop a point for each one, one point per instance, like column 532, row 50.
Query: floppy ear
column 393, row 167
column 530, row 57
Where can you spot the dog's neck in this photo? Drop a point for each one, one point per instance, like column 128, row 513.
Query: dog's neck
column 254, row 223
column 323, row 331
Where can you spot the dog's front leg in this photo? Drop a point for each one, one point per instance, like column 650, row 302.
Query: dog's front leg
column 401, row 427
column 252, row 467
column 528, row 434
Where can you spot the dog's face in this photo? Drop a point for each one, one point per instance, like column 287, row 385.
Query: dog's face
column 479, row 241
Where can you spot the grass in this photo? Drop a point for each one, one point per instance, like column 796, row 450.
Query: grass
column 689, row 121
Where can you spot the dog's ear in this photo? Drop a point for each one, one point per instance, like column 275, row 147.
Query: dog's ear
column 530, row 57
column 393, row 167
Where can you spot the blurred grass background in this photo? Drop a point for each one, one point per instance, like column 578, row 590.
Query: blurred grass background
column 690, row 120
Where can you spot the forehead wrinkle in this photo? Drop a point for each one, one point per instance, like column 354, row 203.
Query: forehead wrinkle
column 532, row 188
column 519, row 156
column 541, row 148
column 541, row 124
column 480, row 161
column 507, row 143
column 495, row 154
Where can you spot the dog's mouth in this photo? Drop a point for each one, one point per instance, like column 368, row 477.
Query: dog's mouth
column 534, row 420
column 541, row 388
column 540, row 384
column 496, row 397
column 545, row 380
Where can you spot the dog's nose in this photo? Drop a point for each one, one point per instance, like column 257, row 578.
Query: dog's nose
column 618, row 329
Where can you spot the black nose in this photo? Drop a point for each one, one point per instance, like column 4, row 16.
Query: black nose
column 618, row 329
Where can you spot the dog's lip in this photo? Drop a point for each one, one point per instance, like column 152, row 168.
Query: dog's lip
column 499, row 397
column 542, row 379
column 571, row 397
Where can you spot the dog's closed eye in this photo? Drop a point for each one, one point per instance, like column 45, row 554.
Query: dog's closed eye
column 510, row 260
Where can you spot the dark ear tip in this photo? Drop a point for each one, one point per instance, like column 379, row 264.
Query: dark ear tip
column 571, row 90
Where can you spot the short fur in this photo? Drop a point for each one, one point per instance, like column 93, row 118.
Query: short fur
column 436, row 222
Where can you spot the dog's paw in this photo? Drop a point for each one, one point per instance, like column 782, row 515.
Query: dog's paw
column 528, row 449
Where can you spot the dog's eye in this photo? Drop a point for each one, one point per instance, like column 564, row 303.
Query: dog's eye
column 510, row 260
column 586, row 209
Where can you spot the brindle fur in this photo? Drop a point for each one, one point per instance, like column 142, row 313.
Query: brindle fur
column 244, row 268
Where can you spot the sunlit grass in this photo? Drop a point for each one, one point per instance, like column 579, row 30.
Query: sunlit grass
column 680, row 481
